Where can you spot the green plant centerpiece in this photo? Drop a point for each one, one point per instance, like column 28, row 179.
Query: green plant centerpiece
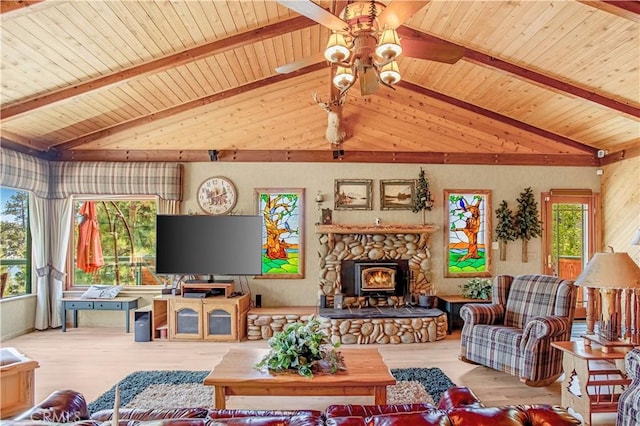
column 477, row 288
column 304, row 348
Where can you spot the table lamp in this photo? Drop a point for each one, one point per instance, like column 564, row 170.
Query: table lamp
column 613, row 280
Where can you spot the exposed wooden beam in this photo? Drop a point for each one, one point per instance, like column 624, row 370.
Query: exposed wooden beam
column 327, row 157
column 157, row 65
column 7, row 6
column 44, row 155
column 495, row 116
column 139, row 121
column 26, row 142
column 625, row 9
column 533, row 76
column 614, row 157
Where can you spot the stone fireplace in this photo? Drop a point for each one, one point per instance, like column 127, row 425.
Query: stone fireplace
column 378, row 246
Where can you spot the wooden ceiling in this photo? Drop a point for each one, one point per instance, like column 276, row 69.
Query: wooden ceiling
column 541, row 82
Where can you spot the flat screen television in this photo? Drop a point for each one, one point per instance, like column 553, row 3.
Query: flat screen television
column 209, row 245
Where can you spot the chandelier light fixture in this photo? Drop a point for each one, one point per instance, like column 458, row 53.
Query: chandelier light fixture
column 364, row 51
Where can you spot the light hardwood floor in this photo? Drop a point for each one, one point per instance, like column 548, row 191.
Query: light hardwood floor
column 91, row 360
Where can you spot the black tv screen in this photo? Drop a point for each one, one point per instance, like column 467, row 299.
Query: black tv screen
column 209, row 245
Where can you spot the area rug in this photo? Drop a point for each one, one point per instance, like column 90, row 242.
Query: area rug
column 183, row 388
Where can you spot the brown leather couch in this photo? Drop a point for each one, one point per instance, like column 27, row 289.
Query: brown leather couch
column 458, row 406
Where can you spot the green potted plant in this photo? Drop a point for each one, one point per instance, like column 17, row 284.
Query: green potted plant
column 304, row 348
column 477, row 288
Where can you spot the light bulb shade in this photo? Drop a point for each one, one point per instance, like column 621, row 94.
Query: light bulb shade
column 343, row 78
column 610, row 270
column 390, row 73
column 389, row 45
column 337, row 50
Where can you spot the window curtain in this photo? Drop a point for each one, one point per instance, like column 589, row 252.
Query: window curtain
column 39, row 255
column 61, row 212
column 168, row 206
column 50, row 222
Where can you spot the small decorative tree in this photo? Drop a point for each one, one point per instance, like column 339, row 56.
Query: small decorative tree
column 505, row 228
column 527, row 224
column 422, row 200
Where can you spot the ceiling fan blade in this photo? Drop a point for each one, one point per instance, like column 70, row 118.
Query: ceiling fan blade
column 398, row 12
column 432, row 50
column 315, row 12
column 304, row 62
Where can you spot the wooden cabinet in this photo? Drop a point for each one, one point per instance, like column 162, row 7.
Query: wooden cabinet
column 212, row 318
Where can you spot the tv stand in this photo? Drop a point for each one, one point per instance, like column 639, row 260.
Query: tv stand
column 196, row 286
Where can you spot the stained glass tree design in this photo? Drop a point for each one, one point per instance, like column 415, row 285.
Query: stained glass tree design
column 281, row 239
column 468, row 233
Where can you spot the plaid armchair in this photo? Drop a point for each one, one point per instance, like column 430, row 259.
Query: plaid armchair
column 629, row 403
column 514, row 333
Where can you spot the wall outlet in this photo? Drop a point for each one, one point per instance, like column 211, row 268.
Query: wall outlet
column 599, row 172
column 495, row 245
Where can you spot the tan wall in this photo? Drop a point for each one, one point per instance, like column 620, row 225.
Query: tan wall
column 506, row 183
column 17, row 316
column 621, row 206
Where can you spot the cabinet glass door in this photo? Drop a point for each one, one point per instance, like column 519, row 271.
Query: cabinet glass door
column 187, row 321
column 219, row 323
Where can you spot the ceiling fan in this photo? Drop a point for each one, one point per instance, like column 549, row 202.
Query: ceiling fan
column 365, row 42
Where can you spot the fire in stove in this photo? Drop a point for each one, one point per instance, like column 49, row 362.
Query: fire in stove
column 378, row 278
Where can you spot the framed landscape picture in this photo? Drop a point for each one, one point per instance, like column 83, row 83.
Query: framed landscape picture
column 467, row 233
column 353, row 194
column 397, row 194
column 282, row 213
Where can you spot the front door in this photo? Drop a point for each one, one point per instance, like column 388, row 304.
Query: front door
column 571, row 225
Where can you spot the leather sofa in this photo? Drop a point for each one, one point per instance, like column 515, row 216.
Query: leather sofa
column 458, row 406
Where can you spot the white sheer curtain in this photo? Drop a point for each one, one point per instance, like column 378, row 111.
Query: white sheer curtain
column 39, row 254
column 168, row 206
column 60, row 222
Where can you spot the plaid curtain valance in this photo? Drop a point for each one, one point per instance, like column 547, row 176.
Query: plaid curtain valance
column 23, row 171
column 112, row 178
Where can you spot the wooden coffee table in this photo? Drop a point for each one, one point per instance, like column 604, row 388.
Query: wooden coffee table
column 366, row 374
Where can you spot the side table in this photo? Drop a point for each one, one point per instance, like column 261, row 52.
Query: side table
column 116, row 304
column 451, row 306
column 593, row 379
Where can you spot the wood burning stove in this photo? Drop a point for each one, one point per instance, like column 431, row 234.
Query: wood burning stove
column 374, row 277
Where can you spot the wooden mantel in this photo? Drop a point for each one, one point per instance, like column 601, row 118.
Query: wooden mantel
column 333, row 229
column 376, row 229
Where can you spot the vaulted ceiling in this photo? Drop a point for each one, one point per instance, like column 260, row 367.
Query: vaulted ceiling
column 540, row 82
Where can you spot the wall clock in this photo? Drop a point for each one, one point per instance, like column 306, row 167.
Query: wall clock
column 217, row 195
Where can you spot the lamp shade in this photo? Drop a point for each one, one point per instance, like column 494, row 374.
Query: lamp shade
column 610, row 270
column 390, row 73
column 389, row 45
column 343, row 78
column 337, row 50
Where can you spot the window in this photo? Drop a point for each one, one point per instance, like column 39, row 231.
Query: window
column 125, row 238
column 15, row 249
